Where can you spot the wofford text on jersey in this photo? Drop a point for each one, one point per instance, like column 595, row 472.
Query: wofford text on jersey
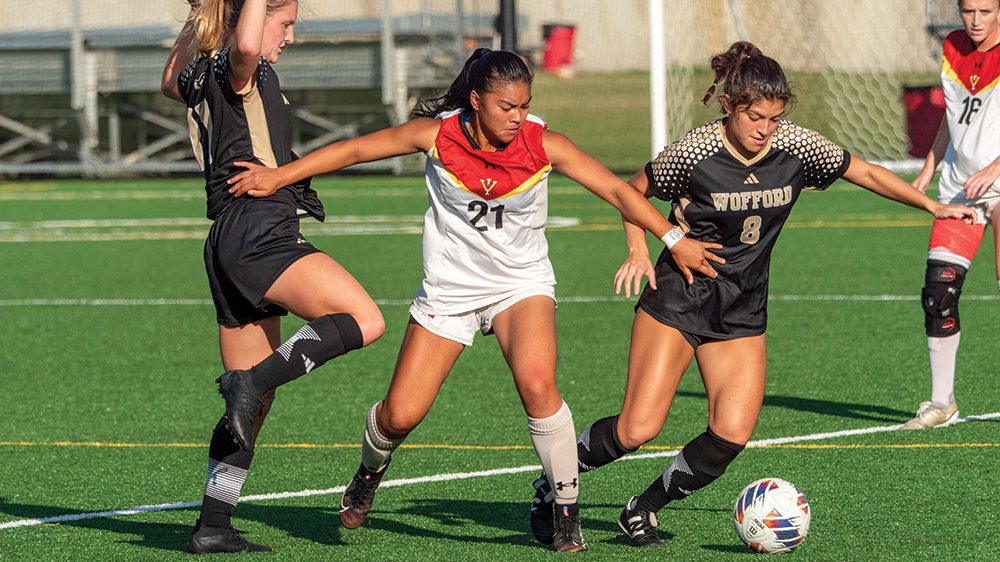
column 748, row 200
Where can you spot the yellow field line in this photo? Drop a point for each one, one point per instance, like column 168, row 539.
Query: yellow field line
column 98, row 444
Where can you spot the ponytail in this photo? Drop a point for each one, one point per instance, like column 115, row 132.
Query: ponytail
column 214, row 21
column 746, row 76
column 484, row 70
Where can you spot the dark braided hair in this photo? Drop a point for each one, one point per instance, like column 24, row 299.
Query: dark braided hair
column 484, row 70
column 747, row 76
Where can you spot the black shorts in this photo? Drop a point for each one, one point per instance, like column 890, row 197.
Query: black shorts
column 248, row 248
column 693, row 339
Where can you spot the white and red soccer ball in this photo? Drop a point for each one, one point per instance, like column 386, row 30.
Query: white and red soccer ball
column 771, row 515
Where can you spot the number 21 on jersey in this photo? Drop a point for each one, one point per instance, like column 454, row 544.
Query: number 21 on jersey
column 481, row 209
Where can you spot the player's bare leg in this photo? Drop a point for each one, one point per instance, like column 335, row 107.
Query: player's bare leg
column 733, row 372
column 342, row 317
column 423, row 364
column 526, row 332
column 658, row 357
column 994, row 218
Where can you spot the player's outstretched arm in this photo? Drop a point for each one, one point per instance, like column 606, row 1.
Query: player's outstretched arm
column 887, row 184
column 178, row 59
column 591, row 174
column 260, row 181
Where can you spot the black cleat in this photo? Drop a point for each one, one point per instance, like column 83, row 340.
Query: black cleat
column 541, row 512
column 243, row 403
column 206, row 540
column 358, row 496
column 568, row 537
column 639, row 525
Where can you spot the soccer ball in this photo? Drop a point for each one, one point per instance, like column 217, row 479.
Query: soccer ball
column 771, row 515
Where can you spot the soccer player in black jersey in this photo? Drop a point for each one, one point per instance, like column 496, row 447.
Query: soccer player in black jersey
column 259, row 266
column 732, row 184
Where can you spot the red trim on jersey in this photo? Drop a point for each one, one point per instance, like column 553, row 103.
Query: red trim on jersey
column 957, row 237
column 976, row 70
column 491, row 175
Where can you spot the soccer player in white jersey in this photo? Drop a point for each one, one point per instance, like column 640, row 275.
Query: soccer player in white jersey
column 969, row 142
column 485, row 259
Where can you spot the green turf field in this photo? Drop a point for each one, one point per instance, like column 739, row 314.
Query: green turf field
column 109, row 353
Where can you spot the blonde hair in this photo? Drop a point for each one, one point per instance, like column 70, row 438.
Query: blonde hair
column 215, row 21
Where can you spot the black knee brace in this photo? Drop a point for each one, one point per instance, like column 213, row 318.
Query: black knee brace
column 939, row 297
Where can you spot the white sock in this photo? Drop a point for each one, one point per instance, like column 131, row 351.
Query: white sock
column 376, row 448
column 942, row 355
column 554, row 439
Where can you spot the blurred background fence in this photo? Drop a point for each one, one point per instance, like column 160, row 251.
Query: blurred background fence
column 79, row 92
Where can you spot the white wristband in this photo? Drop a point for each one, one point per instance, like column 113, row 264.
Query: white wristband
column 672, row 237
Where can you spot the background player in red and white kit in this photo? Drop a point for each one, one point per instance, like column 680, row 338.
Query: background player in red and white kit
column 732, row 182
column 969, row 141
column 485, row 259
column 259, row 266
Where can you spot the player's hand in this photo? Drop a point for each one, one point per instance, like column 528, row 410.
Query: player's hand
column 631, row 272
column 979, row 182
column 966, row 214
column 256, row 181
column 924, row 178
column 694, row 255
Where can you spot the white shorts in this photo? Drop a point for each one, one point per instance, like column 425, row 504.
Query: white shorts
column 462, row 327
column 983, row 205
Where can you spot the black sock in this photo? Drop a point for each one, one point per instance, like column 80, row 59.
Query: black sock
column 699, row 463
column 598, row 444
column 314, row 344
column 227, row 470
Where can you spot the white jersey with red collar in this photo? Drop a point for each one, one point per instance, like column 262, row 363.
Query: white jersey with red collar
column 484, row 230
column 970, row 79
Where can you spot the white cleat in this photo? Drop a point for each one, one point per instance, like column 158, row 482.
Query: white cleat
column 932, row 414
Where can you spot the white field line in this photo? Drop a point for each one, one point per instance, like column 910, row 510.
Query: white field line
column 401, row 302
column 445, row 477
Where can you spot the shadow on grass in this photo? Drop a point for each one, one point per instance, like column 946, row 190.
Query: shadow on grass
column 438, row 518
column 829, row 407
column 730, row 549
column 319, row 525
column 161, row 536
column 457, row 520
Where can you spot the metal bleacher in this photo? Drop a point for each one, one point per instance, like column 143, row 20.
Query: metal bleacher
column 88, row 102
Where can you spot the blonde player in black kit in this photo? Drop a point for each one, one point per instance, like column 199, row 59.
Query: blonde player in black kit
column 733, row 183
column 259, row 266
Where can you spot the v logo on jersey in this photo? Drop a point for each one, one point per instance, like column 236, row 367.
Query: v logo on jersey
column 973, row 80
column 488, row 184
column 751, row 179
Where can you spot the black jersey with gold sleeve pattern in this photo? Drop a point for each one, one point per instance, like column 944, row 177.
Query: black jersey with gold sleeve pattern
column 719, row 196
column 226, row 126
